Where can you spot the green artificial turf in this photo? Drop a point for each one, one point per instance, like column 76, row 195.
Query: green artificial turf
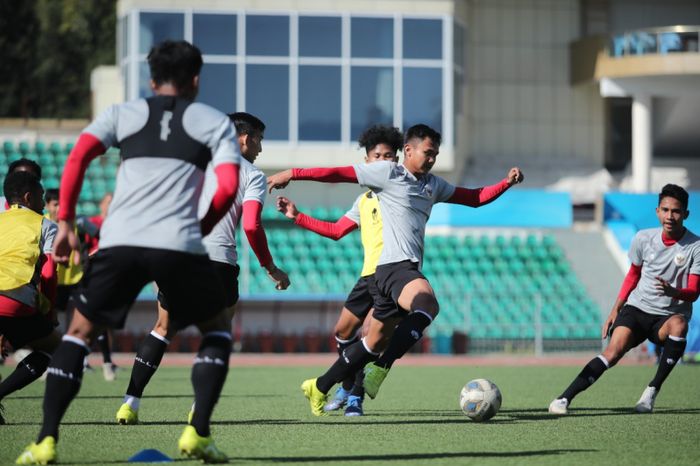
column 262, row 418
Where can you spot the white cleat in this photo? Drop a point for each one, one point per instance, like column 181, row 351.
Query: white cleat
column 646, row 402
column 559, row 406
column 109, row 371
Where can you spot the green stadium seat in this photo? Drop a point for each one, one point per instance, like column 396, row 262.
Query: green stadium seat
column 24, row 147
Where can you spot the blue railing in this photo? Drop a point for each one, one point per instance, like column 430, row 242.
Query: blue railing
column 661, row 41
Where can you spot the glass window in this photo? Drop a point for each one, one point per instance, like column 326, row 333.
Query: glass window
column 215, row 34
column 372, row 37
column 123, row 36
column 371, row 98
column 217, row 86
column 144, row 80
column 267, row 35
column 319, row 36
column 156, row 27
column 422, row 38
column 267, row 97
column 459, row 45
column 422, row 97
column 319, row 103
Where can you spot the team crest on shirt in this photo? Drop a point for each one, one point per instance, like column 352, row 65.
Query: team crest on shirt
column 679, row 260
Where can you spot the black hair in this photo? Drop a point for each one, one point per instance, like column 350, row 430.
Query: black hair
column 246, row 123
column 421, row 132
column 51, row 195
column 380, row 134
column 17, row 184
column 175, row 62
column 32, row 165
column 676, row 192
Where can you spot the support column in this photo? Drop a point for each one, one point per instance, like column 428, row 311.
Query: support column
column 641, row 143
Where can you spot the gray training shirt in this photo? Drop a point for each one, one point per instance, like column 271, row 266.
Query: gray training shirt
column 405, row 202
column 672, row 263
column 252, row 186
column 166, row 144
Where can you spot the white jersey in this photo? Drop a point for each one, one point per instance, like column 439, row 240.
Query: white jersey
column 252, row 186
column 672, row 263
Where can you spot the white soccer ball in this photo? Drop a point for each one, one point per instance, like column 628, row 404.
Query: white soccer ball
column 480, row 399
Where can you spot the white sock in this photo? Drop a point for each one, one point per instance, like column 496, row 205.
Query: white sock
column 132, row 401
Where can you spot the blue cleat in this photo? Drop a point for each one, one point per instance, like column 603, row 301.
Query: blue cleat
column 354, row 406
column 338, row 401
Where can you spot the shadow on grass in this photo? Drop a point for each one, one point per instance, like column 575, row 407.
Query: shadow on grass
column 153, row 397
column 418, row 456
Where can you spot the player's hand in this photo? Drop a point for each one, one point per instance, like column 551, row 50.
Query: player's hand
column 278, row 276
column 65, row 243
column 664, row 288
column 515, row 176
column 607, row 325
column 279, row 180
column 287, row 207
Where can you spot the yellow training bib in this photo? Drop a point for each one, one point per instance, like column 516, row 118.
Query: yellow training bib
column 20, row 235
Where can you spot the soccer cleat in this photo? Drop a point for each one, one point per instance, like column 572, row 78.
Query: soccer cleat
column 374, row 376
column 109, row 371
column 559, row 406
column 192, row 445
column 43, row 452
column 646, row 402
column 354, row 407
column 317, row 399
column 338, row 401
column 127, row 415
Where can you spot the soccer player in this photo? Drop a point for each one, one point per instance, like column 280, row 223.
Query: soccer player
column 221, row 247
column 655, row 300
column 20, row 165
column 27, row 279
column 406, row 195
column 380, row 143
column 152, row 233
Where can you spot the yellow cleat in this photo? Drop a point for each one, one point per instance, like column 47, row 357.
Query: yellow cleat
column 127, row 416
column 374, row 376
column 192, row 445
column 43, row 452
column 317, row 399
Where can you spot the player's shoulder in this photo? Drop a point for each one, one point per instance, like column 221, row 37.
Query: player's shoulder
column 205, row 113
column 251, row 172
column 692, row 239
column 648, row 233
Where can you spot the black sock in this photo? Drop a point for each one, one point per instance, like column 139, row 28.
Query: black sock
column 62, row 384
column 358, row 389
column 354, row 358
column 27, row 371
column 590, row 373
column 208, row 377
column 340, row 346
column 103, row 341
column 407, row 333
column 146, row 363
column 672, row 352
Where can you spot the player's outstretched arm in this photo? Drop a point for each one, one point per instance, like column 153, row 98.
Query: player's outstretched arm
column 482, row 196
column 87, row 148
column 332, row 230
column 324, row 175
column 254, row 231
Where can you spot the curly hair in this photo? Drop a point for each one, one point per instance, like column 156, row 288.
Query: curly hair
column 380, row 134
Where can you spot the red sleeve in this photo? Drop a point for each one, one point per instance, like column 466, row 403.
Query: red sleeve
column 480, row 196
column 693, row 291
column 85, row 150
column 630, row 282
column 49, row 277
column 254, row 231
column 334, row 231
column 227, row 179
column 326, row 175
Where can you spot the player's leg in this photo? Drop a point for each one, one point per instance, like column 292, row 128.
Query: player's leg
column 345, row 332
column 357, row 394
column 109, row 287
column 625, row 335
column 146, row 362
column 671, row 334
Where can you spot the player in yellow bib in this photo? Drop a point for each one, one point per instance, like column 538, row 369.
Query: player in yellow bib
column 380, row 143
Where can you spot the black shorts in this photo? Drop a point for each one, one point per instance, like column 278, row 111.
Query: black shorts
column 365, row 296
column 392, row 278
column 228, row 276
column 63, row 294
column 115, row 276
column 21, row 330
column 642, row 324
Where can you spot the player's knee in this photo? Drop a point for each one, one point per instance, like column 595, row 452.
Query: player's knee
column 678, row 326
column 613, row 354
